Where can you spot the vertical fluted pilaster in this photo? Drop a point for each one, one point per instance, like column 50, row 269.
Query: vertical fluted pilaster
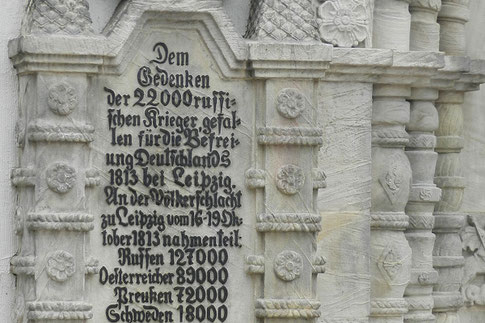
column 424, row 195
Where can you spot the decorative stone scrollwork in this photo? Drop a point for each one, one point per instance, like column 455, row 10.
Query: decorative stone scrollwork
column 289, row 222
column 255, row 264
column 255, row 178
column 290, row 103
column 60, row 178
column 288, row 265
column 59, row 310
column 60, row 265
column 290, row 136
column 343, row 23
column 287, row 308
column 62, row 99
column 61, row 17
column 390, row 263
column 290, row 179
column 60, row 221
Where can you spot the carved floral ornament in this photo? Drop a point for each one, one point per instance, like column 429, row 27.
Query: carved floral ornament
column 61, row 178
column 390, row 262
column 62, row 99
column 343, row 23
column 290, row 179
column 288, row 265
column 291, row 103
column 60, row 265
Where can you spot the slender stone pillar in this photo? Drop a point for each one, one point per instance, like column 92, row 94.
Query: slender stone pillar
column 53, row 134
column 391, row 173
column 424, row 195
column 420, row 151
column 425, row 31
column 448, row 259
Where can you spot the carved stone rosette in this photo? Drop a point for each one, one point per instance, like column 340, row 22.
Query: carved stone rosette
column 52, row 220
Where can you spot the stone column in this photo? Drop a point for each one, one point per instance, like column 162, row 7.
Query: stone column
column 420, row 151
column 424, row 195
column 391, row 180
column 53, row 134
column 391, row 173
column 448, row 259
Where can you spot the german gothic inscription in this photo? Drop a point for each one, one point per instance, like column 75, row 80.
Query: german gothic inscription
column 171, row 227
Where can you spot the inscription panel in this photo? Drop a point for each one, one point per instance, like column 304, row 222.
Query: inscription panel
column 173, row 221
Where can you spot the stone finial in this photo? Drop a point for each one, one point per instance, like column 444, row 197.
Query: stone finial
column 282, row 20
column 69, row 17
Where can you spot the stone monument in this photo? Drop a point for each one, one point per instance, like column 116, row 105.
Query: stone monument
column 173, row 169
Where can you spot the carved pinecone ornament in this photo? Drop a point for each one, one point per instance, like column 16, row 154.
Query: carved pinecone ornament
column 61, row 17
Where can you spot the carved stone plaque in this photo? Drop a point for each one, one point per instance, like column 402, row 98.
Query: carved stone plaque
column 171, row 214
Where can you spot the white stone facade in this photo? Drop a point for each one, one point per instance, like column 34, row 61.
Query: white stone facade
column 358, row 153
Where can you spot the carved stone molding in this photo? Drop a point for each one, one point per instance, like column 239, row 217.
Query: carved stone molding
column 255, row 178
column 58, row 310
column 92, row 178
column 60, row 221
column 319, row 265
column 21, row 265
column 44, row 132
column 23, row 177
column 287, row 308
column 92, row 266
column 255, row 265
column 319, row 179
column 388, row 307
column 287, row 222
column 290, row 136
